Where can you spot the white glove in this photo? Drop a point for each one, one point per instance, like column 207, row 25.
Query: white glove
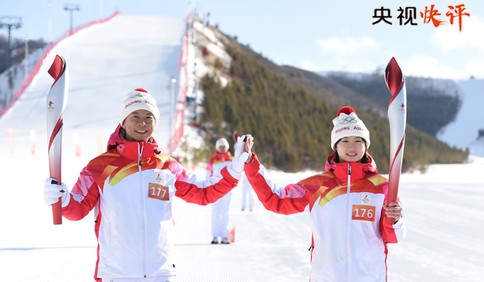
column 241, row 154
column 53, row 191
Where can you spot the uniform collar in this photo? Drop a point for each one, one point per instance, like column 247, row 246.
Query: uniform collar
column 132, row 149
column 358, row 170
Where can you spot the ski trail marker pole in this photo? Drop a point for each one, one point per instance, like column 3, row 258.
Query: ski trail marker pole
column 56, row 103
column 397, row 118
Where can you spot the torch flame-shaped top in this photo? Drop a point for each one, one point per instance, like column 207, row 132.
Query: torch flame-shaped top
column 393, row 78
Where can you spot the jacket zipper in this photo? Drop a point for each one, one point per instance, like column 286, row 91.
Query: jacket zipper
column 143, row 214
column 348, row 225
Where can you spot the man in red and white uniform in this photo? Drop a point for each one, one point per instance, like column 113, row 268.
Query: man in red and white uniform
column 131, row 187
column 220, row 209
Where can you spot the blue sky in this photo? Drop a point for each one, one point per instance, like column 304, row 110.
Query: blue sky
column 316, row 35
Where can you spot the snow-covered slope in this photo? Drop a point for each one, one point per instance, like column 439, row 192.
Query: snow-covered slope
column 105, row 62
column 463, row 132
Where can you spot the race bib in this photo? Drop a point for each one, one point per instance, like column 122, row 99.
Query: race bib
column 159, row 192
column 364, row 212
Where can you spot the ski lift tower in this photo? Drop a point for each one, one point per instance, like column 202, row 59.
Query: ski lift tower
column 71, row 8
column 9, row 23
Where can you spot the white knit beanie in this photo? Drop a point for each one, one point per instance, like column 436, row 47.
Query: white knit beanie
column 346, row 123
column 221, row 141
column 139, row 99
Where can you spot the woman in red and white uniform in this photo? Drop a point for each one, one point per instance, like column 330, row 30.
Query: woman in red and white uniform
column 346, row 205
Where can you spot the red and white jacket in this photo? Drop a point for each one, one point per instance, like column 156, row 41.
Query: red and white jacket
column 345, row 205
column 218, row 161
column 131, row 188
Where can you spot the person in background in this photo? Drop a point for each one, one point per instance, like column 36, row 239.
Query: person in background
column 131, row 189
column 220, row 209
column 346, row 205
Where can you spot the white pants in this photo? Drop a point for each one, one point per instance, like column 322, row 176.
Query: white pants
column 247, row 193
column 220, row 216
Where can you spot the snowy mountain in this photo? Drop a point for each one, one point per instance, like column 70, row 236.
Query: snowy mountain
column 454, row 134
column 460, row 132
column 464, row 131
